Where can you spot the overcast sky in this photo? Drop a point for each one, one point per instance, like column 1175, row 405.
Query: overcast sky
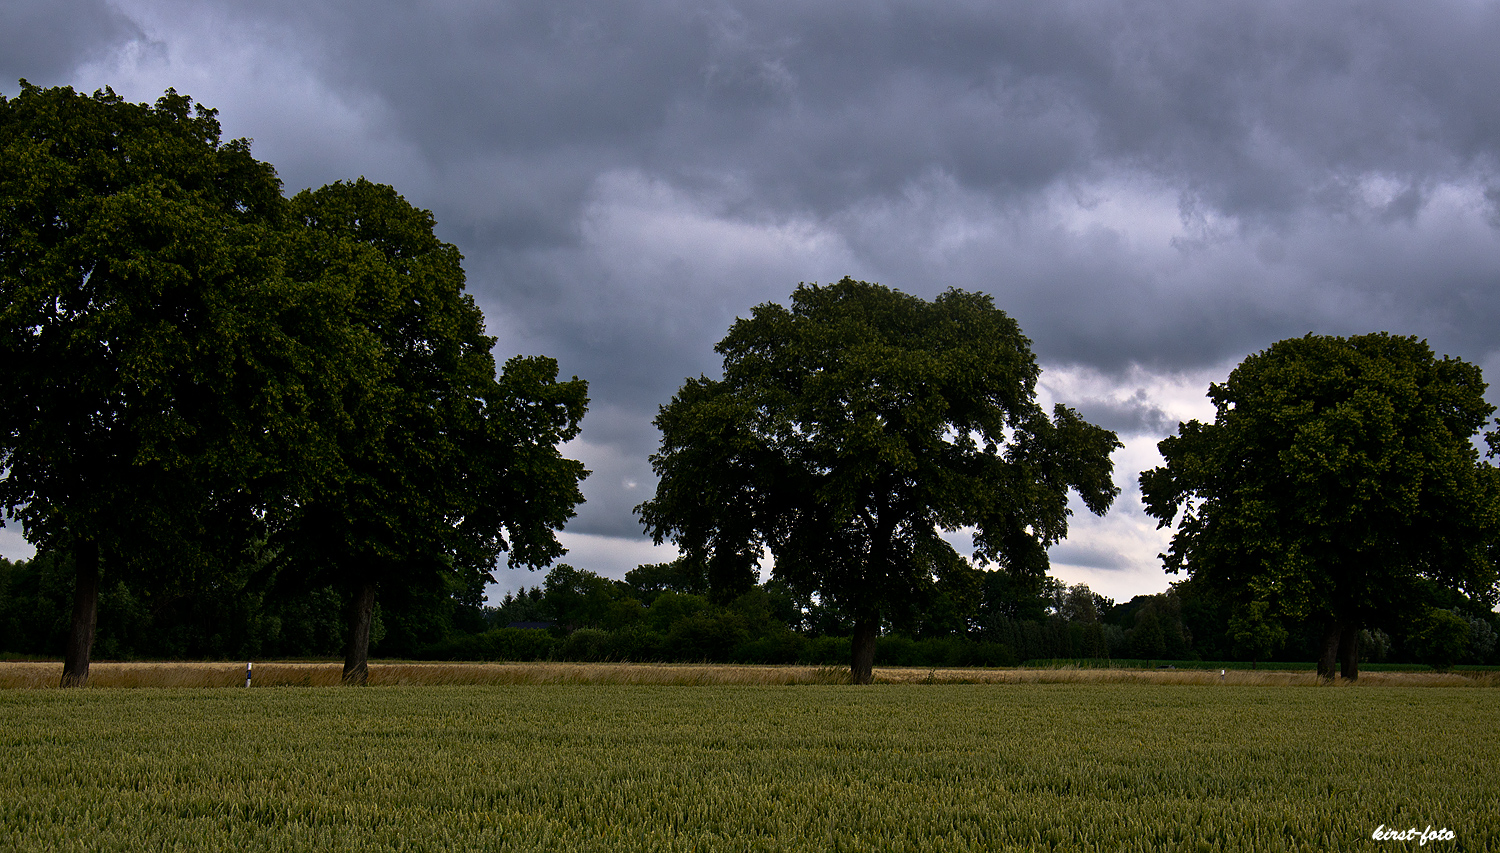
column 1154, row 190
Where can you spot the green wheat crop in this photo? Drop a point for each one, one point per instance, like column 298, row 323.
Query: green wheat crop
column 625, row 767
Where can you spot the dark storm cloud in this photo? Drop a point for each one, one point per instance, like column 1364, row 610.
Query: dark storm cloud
column 1256, row 107
column 1268, row 118
column 1090, row 557
column 42, row 40
column 1135, row 414
column 1264, row 121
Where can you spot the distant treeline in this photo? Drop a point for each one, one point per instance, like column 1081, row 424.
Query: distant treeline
column 661, row 613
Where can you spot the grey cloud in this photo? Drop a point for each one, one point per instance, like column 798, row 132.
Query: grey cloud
column 1266, row 116
column 44, row 41
column 1089, row 557
column 1259, row 108
column 619, row 479
column 1135, row 414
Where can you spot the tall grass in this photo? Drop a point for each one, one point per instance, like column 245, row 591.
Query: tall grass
column 620, row 767
column 40, row 675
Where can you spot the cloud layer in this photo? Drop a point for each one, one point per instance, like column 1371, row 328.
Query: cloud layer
column 1153, row 189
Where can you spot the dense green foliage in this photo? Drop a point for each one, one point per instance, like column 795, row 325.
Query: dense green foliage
column 137, row 258
column 213, row 393
column 659, row 613
column 146, row 379
column 440, row 465
column 915, row 767
column 849, row 431
column 1339, row 484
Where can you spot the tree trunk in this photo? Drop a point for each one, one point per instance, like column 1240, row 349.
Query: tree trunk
column 1329, row 657
column 85, row 614
column 1349, row 651
column 357, row 655
column 862, row 668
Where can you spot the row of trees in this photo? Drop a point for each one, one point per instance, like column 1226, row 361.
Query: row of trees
column 1340, row 483
column 208, row 384
column 665, row 613
column 212, row 386
column 997, row 621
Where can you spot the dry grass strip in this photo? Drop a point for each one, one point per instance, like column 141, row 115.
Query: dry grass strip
column 33, row 675
column 41, row 675
column 1261, row 678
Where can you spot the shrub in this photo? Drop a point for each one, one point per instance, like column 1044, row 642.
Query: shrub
column 827, row 651
column 499, row 644
column 778, row 647
column 897, row 651
column 670, row 607
column 585, row 644
column 636, row 643
column 1441, row 639
column 710, row 636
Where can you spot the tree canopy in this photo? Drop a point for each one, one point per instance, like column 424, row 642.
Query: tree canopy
column 137, row 254
column 1339, row 482
column 437, row 465
column 197, row 366
column 853, row 428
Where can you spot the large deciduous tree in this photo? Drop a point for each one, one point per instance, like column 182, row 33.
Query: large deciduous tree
column 138, row 254
column 1338, row 478
column 438, row 465
column 854, row 427
column 194, row 364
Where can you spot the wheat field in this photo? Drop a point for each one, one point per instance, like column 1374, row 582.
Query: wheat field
column 645, row 767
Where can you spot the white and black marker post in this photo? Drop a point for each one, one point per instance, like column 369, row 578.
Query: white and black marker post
column 248, row 665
